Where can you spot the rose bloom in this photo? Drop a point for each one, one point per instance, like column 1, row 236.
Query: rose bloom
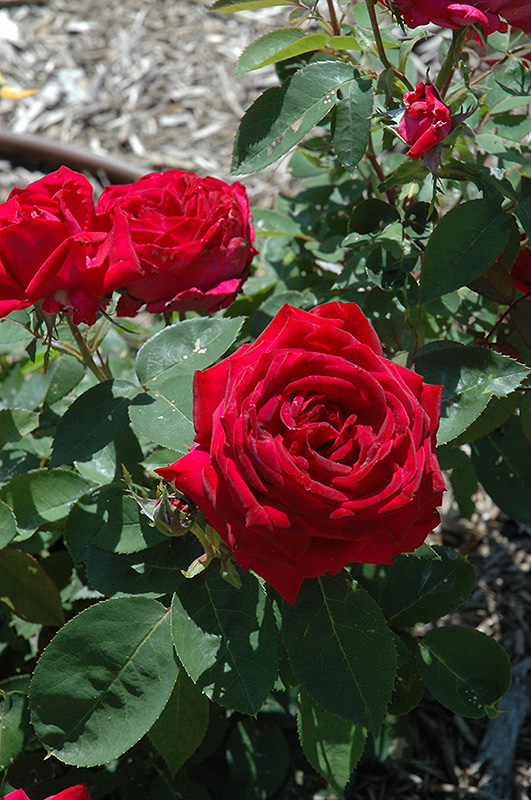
column 447, row 14
column 521, row 271
column 193, row 238
column 426, row 120
column 54, row 249
column 75, row 793
column 313, row 450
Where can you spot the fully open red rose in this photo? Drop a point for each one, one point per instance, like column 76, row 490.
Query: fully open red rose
column 193, row 238
column 448, row 14
column 74, row 793
column 426, row 120
column 54, row 249
column 312, row 450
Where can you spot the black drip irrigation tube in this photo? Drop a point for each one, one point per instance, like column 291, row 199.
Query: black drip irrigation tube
column 32, row 150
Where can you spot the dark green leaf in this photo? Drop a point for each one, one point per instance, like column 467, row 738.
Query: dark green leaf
column 465, row 670
column 42, row 496
column 282, row 116
column 514, row 76
column 64, row 374
column 180, row 729
column 26, row 589
column 498, row 411
column 165, row 415
column 8, row 525
column 258, row 758
column 503, row 465
column 96, row 418
column 523, row 212
column 463, row 245
column 15, row 423
column 341, row 649
column 332, row 745
column 353, row 123
column 423, row 589
column 470, row 376
column 103, row 680
column 226, row 639
column 183, row 348
column 409, row 686
column 372, row 216
column 14, row 726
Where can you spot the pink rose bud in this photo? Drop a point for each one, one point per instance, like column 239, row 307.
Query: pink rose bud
column 426, row 120
column 313, row 450
column 193, row 237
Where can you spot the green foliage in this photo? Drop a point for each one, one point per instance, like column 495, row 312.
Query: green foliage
column 354, row 676
column 27, row 590
column 103, row 680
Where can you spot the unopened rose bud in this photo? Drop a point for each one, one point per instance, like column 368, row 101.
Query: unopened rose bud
column 171, row 515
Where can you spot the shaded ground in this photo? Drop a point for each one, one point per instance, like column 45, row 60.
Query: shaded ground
column 152, row 81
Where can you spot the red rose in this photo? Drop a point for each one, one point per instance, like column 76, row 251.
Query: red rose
column 426, row 120
column 54, row 249
column 312, row 450
column 447, row 14
column 74, row 793
column 193, row 238
column 521, row 271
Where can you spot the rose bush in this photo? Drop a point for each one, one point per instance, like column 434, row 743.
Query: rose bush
column 447, row 14
column 54, row 249
column 193, row 238
column 312, row 449
column 426, row 120
column 74, row 793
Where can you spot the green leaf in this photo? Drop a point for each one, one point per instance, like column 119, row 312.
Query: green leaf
column 258, row 759
column 341, row 649
column 332, row 745
column 180, row 729
column 26, row 589
column 409, row 686
column 489, row 180
column 372, row 216
column 273, row 223
column 15, row 423
column 8, row 525
column 353, row 123
column 249, row 5
column 514, row 76
column 42, row 496
column 103, row 680
column 498, row 411
column 14, row 726
column 470, row 375
column 418, row 589
column 465, row 670
column 282, row 116
column 278, row 46
column 185, row 347
column 226, row 639
column 410, row 170
column 64, row 374
column 94, row 420
column 503, row 465
column 165, row 414
column 465, row 243
column 523, row 212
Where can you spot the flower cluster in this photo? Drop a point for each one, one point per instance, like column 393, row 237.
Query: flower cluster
column 171, row 240
column 449, row 14
column 313, row 450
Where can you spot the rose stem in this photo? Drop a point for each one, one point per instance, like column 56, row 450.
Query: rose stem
column 102, row 373
column 371, row 8
column 446, row 73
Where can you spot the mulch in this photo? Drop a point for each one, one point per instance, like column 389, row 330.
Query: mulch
column 151, row 82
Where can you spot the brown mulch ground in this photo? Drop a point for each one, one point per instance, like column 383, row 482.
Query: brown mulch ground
column 151, row 81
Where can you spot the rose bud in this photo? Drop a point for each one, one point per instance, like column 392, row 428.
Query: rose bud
column 193, row 237
column 448, row 14
column 426, row 120
column 53, row 249
column 312, row 450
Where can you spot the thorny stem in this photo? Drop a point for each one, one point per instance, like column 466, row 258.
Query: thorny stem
column 379, row 171
column 504, row 316
column 371, row 8
column 102, row 373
